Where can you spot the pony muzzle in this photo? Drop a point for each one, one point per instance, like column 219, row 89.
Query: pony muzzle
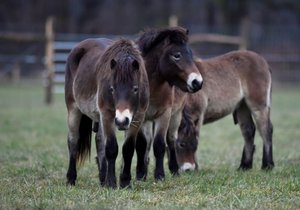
column 185, row 167
column 194, row 82
column 123, row 119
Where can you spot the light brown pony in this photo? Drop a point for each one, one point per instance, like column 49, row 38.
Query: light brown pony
column 106, row 83
column 169, row 63
column 237, row 83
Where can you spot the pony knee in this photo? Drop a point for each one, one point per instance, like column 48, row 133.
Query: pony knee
column 270, row 129
column 248, row 130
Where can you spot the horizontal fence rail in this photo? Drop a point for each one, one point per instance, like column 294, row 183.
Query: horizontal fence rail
column 285, row 66
column 58, row 48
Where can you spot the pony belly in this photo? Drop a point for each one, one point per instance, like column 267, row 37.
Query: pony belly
column 214, row 115
column 220, row 109
column 89, row 108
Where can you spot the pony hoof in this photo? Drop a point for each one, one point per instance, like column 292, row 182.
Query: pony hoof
column 110, row 184
column 141, row 176
column 175, row 173
column 70, row 183
column 102, row 183
column 245, row 167
column 125, row 181
column 159, row 177
column 268, row 167
column 125, row 185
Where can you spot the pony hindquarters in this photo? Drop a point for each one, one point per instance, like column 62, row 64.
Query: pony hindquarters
column 257, row 90
column 244, row 115
column 79, row 122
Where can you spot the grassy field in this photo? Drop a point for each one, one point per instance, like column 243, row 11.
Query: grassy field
column 34, row 159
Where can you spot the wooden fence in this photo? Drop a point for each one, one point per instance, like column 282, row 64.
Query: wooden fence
column 56, row 50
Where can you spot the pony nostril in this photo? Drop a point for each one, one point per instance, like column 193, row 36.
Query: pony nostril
column 126, row 121
column 196, row 84
column 123, row 123
column 117, row 122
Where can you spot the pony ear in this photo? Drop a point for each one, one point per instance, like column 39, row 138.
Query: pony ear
column 147, row 40
column 151, row 38
column 135, row 65
column 113, row 64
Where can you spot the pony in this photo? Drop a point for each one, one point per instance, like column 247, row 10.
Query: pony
column 237, row 83
column 105, row 83
column 169, row 64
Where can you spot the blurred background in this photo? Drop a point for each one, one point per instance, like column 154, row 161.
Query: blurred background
column 269, row 27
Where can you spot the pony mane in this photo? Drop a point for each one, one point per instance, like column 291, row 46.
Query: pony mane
column 150, row 38
column 187, row 127
column 124, row 52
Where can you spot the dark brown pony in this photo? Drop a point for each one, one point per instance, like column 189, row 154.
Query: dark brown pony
column 169, row 63
column 106, row 83
column 237, row 83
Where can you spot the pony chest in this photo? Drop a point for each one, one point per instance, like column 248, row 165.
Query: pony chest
column 158, row 106
column 154, row 112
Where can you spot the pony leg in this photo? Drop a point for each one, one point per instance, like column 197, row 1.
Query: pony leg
column 265, row 127
column 73, row 137
column 244, row 119
column 159, row 143
column 100, row 159
column 111, row 151
column 142, row 146
column 127, row 151
column 171, row 141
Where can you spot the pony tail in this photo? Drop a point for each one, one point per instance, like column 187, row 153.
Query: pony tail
column 84, row 142
column 74, row 58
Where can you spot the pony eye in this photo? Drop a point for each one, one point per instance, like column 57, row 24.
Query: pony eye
column 176, row 56
column 111, row 89
column 135, row 89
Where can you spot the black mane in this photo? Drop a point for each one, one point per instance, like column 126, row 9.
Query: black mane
column 152, row 37
column 187, row 126
column 124, row 53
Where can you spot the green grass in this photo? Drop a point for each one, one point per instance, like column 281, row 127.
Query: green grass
column 34, row 160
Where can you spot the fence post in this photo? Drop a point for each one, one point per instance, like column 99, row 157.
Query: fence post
column 173, row 21
column 49, row 60
column 244, row 33
column 16, row 73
